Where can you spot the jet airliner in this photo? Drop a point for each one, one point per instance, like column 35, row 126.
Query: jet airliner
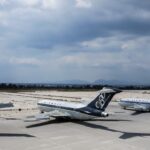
column 136, row 104
column 80, row 111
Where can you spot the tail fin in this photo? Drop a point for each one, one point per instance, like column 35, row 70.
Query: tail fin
column 102, row 100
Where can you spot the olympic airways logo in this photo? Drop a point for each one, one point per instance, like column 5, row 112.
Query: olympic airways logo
column 101, row 101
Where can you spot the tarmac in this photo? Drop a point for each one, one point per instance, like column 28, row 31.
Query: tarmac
column 123, row 129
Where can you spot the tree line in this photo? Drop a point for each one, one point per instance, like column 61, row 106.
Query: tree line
column 30, row 86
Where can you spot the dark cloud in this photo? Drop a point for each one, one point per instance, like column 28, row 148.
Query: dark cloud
column 101, row 38
column 39, row 28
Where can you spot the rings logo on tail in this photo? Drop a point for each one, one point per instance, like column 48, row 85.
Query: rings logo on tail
column 101, row 101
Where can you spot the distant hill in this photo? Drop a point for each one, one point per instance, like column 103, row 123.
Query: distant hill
column 96, row 82
column 109, row 82
column 73, row 82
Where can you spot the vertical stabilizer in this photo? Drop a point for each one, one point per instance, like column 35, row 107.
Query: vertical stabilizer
column 103, row 98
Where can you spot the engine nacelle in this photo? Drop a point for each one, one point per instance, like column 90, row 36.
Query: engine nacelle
column 104, row 114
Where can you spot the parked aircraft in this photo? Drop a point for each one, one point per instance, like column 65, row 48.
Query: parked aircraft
column 74, row 110
column 6, row 105
column 136, row 104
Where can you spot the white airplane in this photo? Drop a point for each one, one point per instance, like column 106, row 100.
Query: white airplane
column 74, row 110
column 135, row 104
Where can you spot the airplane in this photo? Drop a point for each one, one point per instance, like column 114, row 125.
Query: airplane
column 136, row 104
column 6, row 105
column 80, row 111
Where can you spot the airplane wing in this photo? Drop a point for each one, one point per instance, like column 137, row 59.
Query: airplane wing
column 46, row 116
column 139, row 107
column 57, row 114
column 37, row 117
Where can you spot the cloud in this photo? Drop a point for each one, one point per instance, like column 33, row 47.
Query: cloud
column 74, row 39
column 24, row 61
column 83, row 3
column 36, row 27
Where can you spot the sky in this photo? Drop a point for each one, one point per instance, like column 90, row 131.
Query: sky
column 55, row 40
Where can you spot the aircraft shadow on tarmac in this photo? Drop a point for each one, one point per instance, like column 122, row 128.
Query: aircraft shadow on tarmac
column 68, row 120
column 47, row 123
column 138, row 113
column 16, row 135
column 124, row 134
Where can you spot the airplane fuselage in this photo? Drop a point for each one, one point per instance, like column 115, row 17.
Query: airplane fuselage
column 78, row 110
column 135, row 104
column 72, row 110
